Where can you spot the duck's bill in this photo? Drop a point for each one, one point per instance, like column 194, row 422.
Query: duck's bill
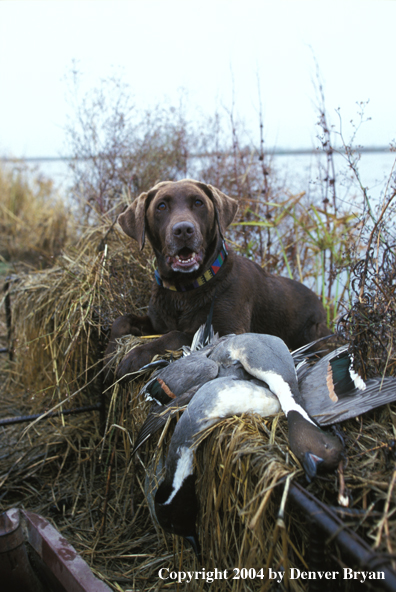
column 310, row 464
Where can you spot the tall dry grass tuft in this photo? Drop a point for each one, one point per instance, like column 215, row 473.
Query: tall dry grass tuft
column 61, row 314
column 34, row 223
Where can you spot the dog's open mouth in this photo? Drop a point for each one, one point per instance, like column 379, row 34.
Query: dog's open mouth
column 186, row 260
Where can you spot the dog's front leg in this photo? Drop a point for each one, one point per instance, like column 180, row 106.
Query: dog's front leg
column 143, row 354
column 129, row 324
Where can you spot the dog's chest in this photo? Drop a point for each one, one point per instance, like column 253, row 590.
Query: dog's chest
column 181, row 311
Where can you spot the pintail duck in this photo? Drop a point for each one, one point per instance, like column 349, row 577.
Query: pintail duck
column 330, row 389
column 326, row 392
column 176, row 505
column 256, row 373
column 272, row 385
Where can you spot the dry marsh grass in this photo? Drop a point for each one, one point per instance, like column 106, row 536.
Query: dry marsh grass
column 61, row 314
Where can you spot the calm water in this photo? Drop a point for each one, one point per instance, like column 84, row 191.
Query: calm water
column 304, row 173
column 296, row 173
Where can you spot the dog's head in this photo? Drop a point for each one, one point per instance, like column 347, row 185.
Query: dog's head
column 183, row 221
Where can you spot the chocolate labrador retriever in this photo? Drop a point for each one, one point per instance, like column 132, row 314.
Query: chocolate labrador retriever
column 185, row 222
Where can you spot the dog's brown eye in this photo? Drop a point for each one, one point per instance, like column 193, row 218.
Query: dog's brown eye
column 198, row 203
column 161, row 206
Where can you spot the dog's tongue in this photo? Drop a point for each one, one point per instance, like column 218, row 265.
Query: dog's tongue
column 186, row 260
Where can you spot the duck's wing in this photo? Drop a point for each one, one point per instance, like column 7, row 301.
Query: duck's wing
column 378, row 392
column 180, row 376
column 332, row 391
column 159, row 415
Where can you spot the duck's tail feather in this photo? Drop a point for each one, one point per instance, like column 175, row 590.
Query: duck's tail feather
column 205, row 334
column 303, row 353
column 202, row 337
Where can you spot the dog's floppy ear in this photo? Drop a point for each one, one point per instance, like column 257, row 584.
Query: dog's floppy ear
column 225, row 207
column 133, row 220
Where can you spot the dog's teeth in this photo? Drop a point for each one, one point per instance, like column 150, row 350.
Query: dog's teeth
column 189, row 260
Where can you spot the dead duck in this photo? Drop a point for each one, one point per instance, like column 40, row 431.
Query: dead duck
column 176, row 505
column 275, row 387
column 267, row 359
column 330, row 391
column 171, row 388
column 272, row 385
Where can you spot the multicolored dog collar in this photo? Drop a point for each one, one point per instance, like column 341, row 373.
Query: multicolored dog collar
column 203, row 279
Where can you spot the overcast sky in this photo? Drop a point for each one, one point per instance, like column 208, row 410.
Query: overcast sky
column 212, row 49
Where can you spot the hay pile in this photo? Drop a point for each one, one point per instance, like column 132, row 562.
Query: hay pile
column 61, row 315
column 98, row 496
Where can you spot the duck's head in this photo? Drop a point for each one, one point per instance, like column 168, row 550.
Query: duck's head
column 177, row 512
column 315, row 449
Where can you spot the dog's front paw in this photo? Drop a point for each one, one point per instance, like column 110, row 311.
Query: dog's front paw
column 132, row 362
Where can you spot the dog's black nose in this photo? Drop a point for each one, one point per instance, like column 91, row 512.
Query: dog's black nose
column 183, row 229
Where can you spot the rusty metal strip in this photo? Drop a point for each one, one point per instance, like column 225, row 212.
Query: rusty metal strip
column 60, row 557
